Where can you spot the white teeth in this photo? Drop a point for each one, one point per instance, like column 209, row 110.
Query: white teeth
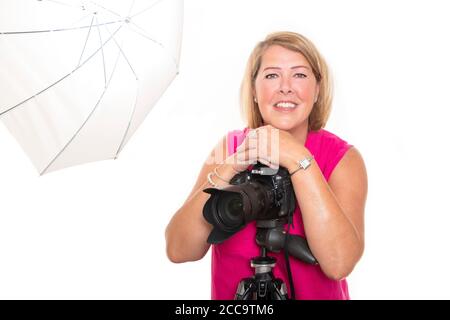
column 285, row 105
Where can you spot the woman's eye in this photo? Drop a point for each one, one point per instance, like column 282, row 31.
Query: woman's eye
column 271, row 76
column 300, row 75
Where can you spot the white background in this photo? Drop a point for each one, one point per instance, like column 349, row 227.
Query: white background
column 97, row 230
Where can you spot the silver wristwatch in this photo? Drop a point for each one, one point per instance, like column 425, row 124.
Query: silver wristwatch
column 303, row 164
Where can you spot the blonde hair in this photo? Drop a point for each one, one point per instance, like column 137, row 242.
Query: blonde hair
column 298, row 43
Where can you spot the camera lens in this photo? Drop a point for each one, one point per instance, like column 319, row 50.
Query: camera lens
column 230, row 210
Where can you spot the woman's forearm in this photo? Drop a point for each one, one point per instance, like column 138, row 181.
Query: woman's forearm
column 332, row 237
column 188, row 231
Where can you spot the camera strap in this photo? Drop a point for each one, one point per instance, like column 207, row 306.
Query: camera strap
column 286, row 257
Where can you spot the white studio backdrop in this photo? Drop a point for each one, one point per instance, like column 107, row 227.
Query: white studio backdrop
column 97, row 230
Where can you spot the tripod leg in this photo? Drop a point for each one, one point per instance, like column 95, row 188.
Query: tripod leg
column 246, row 290
column 279, row 291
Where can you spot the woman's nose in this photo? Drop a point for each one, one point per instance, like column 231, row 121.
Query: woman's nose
column 285, row 86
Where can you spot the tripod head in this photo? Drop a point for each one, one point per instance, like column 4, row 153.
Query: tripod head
column 272, row 236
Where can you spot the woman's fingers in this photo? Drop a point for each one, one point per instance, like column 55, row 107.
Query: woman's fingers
column 250, row 142
column 247, row 156
column 253, row 153
column 242, row 159
column 258, row 146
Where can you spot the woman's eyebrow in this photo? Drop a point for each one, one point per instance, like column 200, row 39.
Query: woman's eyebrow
column 294, row 67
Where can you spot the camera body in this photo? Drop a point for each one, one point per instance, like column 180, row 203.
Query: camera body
column 258, row 194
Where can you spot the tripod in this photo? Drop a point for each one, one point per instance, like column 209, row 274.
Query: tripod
column 271, row 236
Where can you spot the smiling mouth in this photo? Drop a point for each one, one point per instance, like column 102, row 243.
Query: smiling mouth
column 285, row 106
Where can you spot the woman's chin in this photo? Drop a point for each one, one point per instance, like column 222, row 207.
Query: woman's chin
column 283, row 125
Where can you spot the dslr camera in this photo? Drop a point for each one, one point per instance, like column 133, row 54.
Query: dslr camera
column 260, row 193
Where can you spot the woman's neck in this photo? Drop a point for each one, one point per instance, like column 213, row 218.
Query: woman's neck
column 300, row 132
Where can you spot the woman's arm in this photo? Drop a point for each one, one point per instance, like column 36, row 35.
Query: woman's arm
column 187, row 231
column 333, row 212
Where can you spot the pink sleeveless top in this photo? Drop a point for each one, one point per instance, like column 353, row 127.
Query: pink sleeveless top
column 230, row 261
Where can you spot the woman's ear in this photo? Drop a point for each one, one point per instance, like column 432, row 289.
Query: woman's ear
column 316, row 96
column 254, row 96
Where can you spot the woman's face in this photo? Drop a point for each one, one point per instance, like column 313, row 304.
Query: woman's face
column 285, row 88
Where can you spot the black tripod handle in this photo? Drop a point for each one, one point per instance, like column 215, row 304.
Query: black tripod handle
column 274, row 239
column 298, row 247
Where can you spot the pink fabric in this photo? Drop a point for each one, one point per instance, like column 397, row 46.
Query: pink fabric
column 231, row 259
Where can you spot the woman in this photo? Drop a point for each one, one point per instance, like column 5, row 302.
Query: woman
column 286, row 96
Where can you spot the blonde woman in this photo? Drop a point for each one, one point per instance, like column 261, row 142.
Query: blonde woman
column 286, row 98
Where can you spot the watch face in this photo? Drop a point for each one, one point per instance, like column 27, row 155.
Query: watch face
column 305, row 163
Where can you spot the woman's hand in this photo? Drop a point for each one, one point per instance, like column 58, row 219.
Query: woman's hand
column 268, row 145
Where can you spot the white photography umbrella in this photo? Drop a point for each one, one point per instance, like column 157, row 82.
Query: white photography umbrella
column 77, row 78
